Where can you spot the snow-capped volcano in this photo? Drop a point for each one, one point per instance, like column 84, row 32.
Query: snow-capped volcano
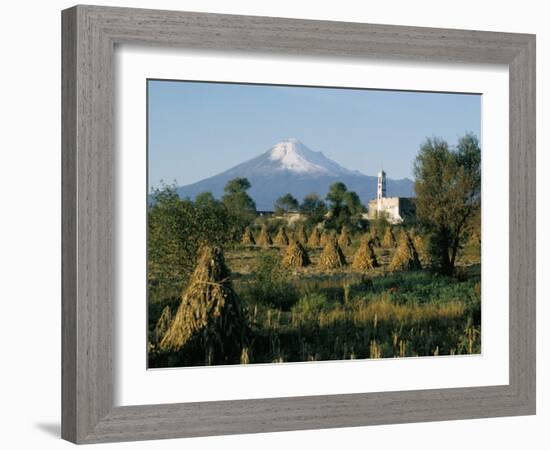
column 292, row 155
column 291, row 167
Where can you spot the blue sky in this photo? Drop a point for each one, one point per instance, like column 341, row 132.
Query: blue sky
column 197, row 130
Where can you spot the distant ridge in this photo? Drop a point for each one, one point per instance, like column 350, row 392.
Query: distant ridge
column 290, row 166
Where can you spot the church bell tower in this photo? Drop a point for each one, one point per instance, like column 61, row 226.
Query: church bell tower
column 381, row 191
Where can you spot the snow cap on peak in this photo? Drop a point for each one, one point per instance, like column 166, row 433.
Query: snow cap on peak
column 295, row 156
column 291, row 155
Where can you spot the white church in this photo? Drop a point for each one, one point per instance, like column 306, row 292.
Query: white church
column 395, row 209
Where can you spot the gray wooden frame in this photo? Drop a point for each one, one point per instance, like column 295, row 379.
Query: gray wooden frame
column 89, row 36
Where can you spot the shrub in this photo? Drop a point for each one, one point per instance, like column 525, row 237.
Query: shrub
column 310, row 306
column 270, row 286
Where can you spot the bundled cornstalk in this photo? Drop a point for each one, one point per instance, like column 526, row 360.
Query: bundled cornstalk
column 405, row 256
column 300, row 234
column 399, row 234
column 344, row 240
column 209, row 317
column 281, row 238
column 314, row 239
column 163, row 324
column 248, row 237
column 326, row 236
column 389, row 238
column 296, row 255
column 264, row 239
column 365, row 258
column 373, row 237
column 332, row 256
column 420, row 244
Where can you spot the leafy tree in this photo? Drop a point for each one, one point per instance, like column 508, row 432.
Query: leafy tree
column 205, row 200
column 241, row 207
column 176, row 229
column 336, row 194
column 286, row 203
column 314, row 209
column 448, row 189
column 237, row 185
column 345, row 208
column 353, row 203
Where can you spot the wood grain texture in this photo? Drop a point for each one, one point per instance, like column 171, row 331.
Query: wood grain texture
column 89, row 36
column 68, row 225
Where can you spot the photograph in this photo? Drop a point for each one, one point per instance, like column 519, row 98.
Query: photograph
column 298, row 224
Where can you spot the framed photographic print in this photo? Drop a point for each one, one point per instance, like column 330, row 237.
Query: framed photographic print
column 279, row 224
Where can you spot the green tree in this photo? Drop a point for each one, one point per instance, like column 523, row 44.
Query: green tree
column 345, row 208
column 448, row 190
column 286, row 203
column 353, row 203
column 240, row 206
column 336, row 194
column 314, row 209
column 176, row 229
column 205, row 200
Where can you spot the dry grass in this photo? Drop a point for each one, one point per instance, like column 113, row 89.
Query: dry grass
column 209, row 306
column 405, row 256
column 389, row 238
column 295, row 256
column 264, row 239
column 281, row 239
column 300, row 234
column 344, row 240
column 248, row 237
column 314, row 238
column 365, row 258
column 332, row 256
column 373, row 237
column 384, row 310
column 163, row 323
column 326, row 236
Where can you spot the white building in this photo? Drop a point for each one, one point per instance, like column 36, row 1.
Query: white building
column 395, row 209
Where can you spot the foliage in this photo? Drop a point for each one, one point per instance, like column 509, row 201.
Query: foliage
column 176, row 229
column 448, row 189
column 285, row 204
column 314, row 209
column 270, row 286
column 310, row 306
column 336, row 194
column 241, row 207
column 345, row 208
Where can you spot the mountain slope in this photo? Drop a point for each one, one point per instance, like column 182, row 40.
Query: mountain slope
column 291, row 167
